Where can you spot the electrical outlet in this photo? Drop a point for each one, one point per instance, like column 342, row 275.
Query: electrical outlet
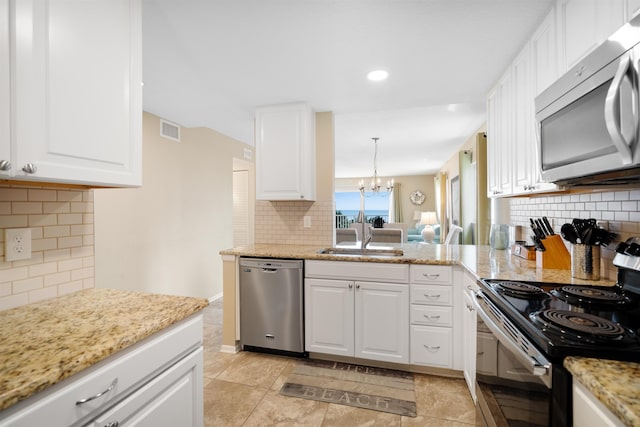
column 307, row 221
column 17, row 244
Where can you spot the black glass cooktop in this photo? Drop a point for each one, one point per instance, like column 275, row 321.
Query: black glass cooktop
column 565, row 320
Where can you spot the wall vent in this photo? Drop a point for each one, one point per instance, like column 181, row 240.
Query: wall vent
column 169, row 130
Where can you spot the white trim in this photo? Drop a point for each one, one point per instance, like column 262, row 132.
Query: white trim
column 232, row 349
column 215, row 298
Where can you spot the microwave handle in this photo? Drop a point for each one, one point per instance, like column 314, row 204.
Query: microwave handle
column 612, row 111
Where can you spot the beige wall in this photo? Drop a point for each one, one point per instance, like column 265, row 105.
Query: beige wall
column 165, row 236
column 62, row 261
column 282, row 222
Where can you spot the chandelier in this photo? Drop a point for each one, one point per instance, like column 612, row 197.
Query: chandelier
column 375, row 181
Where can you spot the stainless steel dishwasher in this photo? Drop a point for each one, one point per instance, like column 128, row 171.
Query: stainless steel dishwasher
column 272, row 306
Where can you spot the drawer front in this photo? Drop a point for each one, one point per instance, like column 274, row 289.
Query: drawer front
column 431, row 346
column 437, row 274
column 369, row 271
column 431, row 294
column 431, row 316
column 125, row 371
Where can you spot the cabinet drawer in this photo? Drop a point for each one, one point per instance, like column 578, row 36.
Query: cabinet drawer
column 431, row 316
column 378, row 272
column 131, row 367
column 431, row 294
column 436, row 274
column 431, row 346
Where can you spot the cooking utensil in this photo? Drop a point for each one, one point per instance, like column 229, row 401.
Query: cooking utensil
column 569, row 233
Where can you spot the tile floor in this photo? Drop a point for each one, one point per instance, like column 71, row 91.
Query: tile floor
column 243, row 390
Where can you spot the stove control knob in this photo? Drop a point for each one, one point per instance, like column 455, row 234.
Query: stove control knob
column 622, row 246
column 633, row 249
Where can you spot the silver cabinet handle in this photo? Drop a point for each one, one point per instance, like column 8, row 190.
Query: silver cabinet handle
column 5, row 165
column 470, row 308
column 350, row 285
column 432, row 296
column 612, row 112
column 432, row 276
column 29, row 168
column 102, row 393
column 357, row 286
column 432, row 348
column 112, row 424
column 426, row 316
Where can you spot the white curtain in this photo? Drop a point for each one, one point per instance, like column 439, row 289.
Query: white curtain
column 395, row 207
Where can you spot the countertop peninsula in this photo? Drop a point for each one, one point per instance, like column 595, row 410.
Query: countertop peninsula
column 482, row 261
column 615, row 384
column 48, row 341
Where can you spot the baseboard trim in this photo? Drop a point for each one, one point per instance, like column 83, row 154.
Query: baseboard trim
column 231, row 349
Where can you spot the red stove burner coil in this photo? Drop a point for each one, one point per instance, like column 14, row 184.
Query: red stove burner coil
column 520, row 289
column 582, row 322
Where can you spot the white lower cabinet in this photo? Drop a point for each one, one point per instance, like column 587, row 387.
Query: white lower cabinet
column 355, row 315
column 432, row 316
column 156, row 382
column 469, row 330
column 588, row 411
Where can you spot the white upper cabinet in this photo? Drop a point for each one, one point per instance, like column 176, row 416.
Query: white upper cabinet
column 544, row 54
column 285, row 153
column 5, row 89
column 583, row 25
column 77, row 92
column 499, row 138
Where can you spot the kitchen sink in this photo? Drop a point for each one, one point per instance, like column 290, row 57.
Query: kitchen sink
column 379, row 252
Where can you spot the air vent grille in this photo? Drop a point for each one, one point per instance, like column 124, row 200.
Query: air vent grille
column 169, row 130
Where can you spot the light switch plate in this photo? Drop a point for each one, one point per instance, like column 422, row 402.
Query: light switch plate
column 17, row 244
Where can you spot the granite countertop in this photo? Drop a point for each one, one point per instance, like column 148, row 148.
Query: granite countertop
column 616, row 384
column 482, row 261
column 48, row 341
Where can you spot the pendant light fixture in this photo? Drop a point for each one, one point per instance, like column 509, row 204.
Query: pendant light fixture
column 375, row 181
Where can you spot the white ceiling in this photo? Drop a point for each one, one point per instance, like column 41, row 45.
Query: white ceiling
column 212, row 62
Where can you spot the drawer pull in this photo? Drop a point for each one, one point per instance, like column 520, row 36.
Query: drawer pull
column 470, row 308
column 426, row 316
column 431, row 276
column 112, row 424
column 95, row 396
column 432, row 296
column 432, row 348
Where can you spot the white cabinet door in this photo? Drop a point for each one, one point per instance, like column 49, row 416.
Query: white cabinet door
column 382, row 321
column 544, row 53
column 285, row 153
column 588, row 411
column 583, row 25
column 432, row 346
column 470, row 322
column 523, row 154
column 329, row 316
column 173, row 398
column 77, row 115
column 500, row 138
column 5, row 90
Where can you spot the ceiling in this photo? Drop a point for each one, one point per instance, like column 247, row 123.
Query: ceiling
column 212, row 62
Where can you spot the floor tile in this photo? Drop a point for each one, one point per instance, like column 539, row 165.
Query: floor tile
column 277, row 410
column 341, row 415
column 229, row 404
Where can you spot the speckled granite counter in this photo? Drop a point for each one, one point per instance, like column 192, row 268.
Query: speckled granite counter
column 615, row 384
column 482, row 261
column 46, row 342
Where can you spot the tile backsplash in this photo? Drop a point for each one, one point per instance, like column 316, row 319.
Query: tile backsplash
column 620, row 210
column 283, row 222
column 62, row 261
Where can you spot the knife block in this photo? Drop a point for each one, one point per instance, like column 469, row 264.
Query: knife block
column 555, row 255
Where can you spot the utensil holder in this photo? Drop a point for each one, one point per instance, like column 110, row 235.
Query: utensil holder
column 555, row 255
column 585, row 261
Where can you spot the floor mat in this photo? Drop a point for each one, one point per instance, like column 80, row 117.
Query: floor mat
column 378, row 389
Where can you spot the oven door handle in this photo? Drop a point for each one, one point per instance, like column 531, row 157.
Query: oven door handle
column 534, row 366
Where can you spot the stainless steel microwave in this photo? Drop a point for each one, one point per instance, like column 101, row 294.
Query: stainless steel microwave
column 587, row 122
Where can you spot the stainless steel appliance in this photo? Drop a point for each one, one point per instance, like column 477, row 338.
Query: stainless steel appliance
column 527, row 329
column 587, row 121
column 271, row 306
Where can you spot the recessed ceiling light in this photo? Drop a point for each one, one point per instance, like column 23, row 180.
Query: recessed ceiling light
column 377, row 75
